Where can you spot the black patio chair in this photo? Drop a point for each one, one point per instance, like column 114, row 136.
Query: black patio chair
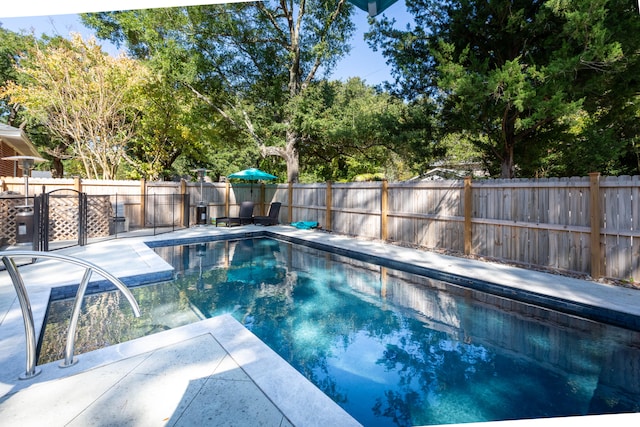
column 272, row 218
column 245, row 216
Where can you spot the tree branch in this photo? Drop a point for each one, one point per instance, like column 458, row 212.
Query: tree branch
column 248, row 124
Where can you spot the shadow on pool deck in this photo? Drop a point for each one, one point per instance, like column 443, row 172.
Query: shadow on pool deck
column 213, row 372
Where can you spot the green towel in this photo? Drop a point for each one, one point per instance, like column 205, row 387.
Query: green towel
column 305, row 225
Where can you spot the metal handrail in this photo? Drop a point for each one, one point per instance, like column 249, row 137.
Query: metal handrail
column 25, row 305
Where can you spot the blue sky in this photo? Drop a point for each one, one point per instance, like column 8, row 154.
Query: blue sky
column 363, row 62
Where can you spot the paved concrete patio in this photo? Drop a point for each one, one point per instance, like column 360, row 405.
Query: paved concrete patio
column 215, row 372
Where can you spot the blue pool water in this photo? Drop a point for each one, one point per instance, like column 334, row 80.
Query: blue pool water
column 397, row 349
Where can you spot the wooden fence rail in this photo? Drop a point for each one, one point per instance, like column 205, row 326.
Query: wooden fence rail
column 588, row 225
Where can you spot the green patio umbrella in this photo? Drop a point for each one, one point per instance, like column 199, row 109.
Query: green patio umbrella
column 252, row 174
column 374, row 7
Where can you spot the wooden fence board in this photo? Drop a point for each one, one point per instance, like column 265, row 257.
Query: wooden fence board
column 635, row 202
column 634, row 268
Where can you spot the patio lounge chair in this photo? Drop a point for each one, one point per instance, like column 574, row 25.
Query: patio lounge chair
column 245, row 216
column 272, row 218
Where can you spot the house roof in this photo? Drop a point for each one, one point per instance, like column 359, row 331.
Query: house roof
column 18, row 140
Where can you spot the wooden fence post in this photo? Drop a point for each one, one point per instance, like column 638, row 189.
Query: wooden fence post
column 329, row 203
column 384, row 209
column 594, row 209
column 184, row 201
column 143, row 201
column 262, row 197
column 290, row 210
column 226, row 198
column 468, row 211
column 183, row 186
column 77, row 184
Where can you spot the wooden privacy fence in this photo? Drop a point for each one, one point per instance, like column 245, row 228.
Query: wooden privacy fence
column 587, row 225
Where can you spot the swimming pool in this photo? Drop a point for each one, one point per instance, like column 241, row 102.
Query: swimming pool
column 391, row 347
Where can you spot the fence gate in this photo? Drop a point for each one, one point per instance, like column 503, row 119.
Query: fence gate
column 63, row 219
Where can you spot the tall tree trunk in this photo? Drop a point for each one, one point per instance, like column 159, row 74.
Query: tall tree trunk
column 292, row 157
column 507, row 166
column 508, row 136
column 289, row 153
column 57, row 167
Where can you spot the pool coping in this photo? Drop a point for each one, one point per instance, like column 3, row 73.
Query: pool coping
column 615, row 304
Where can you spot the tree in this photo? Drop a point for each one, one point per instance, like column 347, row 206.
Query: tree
column 85, row 97
column 515, row 75
column 12, row 46
column 247, row 61
column 169, row 126
column 607, row 130
column 350, row 130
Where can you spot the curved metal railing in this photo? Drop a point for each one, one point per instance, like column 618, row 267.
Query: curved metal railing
column 25, row 305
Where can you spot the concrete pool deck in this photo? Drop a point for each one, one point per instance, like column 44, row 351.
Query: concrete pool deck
column 215, row 372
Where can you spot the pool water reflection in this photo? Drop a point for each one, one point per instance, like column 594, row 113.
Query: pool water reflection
column 397, row 349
